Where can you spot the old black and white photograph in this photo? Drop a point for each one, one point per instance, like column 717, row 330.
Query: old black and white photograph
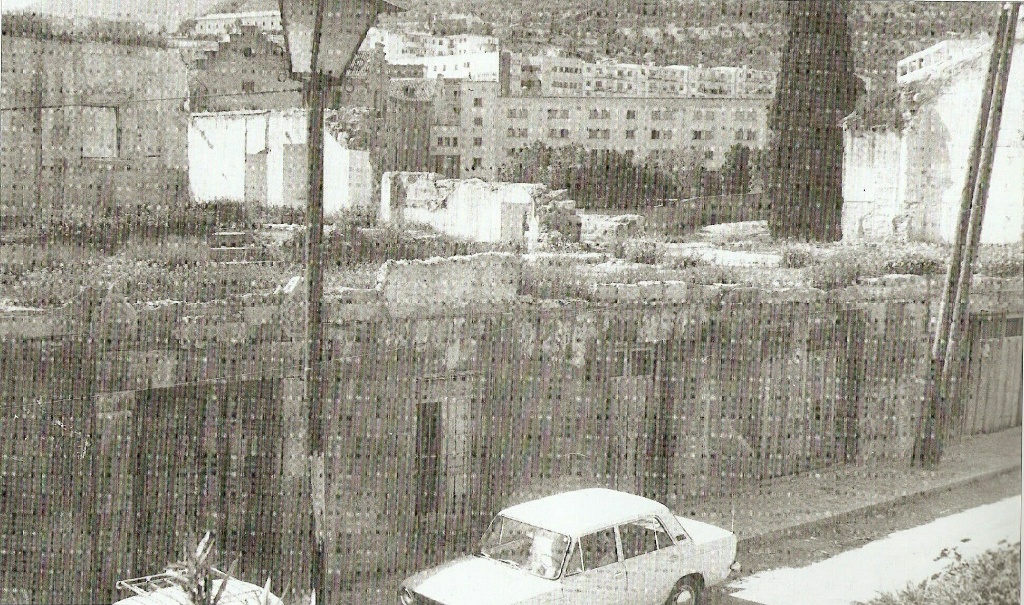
column 511, row 302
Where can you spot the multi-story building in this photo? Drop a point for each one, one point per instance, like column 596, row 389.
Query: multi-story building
column 219, row 24
column 406, row 47
column 555, row 75
column 248, row 71
column 479, row 125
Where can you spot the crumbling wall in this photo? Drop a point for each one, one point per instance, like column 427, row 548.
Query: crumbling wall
column 490, row 277
column 871, row 162
column 75, row 136
column 908, row 185
column 475, row 209
column 261, row 156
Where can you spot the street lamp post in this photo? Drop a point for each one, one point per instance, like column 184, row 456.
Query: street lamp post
column 321, row 37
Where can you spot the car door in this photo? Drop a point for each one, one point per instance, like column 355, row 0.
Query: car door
column 653, row 561
column 594, row 574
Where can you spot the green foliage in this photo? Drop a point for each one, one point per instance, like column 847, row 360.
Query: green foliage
column 171, row 252
column 638, row 251
column 738, row 169
column 993, row 577
column 797, row 257
column 918, row 261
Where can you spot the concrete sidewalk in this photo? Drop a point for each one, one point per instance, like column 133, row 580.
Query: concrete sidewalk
column 802, row 504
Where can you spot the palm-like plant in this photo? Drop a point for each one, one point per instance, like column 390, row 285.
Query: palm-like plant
column 195, row 574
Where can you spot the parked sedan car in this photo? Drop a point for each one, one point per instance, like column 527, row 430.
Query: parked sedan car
column 582, row 547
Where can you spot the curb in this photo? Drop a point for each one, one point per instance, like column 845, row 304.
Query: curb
column 867, row 510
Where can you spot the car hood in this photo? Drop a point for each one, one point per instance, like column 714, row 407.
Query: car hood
column 481, row 581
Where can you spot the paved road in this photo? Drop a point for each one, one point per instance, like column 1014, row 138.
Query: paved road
column 884, row 565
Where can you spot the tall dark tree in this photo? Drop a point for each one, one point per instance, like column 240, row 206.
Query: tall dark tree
column 816, row 90
column 736, row 172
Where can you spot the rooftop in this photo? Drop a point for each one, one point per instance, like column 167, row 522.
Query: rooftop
column 579, row 512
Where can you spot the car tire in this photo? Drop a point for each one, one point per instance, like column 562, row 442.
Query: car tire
column 687, row 591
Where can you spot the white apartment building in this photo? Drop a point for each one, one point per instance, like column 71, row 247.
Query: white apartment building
column 553, row 75
column 476, row 129
column 219, row 24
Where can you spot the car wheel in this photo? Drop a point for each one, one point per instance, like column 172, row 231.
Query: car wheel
column 687, row 591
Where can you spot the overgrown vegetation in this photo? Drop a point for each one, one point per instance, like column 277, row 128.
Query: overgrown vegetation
column 611, row 179
column 54, row 29
column 992, row 578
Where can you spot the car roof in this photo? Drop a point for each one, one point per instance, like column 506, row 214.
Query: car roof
column 580, row 512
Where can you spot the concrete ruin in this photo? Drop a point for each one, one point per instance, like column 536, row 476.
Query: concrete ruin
column 906, row 185
column 508, row 213
column 261, row 157
column 604, row 230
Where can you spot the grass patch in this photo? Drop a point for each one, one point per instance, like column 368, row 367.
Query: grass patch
column 992, row 578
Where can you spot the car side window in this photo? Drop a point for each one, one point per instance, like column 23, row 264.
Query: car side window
column 643, row 536
column 599, row 549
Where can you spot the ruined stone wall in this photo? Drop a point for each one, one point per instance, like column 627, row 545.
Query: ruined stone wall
column 168, row 418
column 92, row 125
column 908, row 185
column 466, row 208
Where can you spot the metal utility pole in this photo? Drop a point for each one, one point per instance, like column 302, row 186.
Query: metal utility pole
column 953, row 309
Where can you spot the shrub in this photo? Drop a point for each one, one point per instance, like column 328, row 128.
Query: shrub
column 797, row 257
column 916, row 262
column 993, row 577
column 1000, row 261
column 843, row 268
column 171, row 252
column 638, row 251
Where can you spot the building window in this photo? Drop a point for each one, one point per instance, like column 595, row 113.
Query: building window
column 248, row 86
column 630, row 114
column 709, row 154
column 478, row 121
column 656, row 114
column 455, row 141
column 739, row 135
column 440, row 143
column 511, row 133
column 102, row 137
column 477, row 163
column 552, row 114
column 631, row 134
column 478, row 142
column 478, row 102
column 655, row 135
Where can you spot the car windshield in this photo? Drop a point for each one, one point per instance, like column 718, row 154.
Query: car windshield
column 524, row 546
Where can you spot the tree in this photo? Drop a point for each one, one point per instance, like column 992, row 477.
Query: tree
column 816, row 89
column 737, row 169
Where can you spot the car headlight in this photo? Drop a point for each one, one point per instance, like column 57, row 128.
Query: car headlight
column 406, row 597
